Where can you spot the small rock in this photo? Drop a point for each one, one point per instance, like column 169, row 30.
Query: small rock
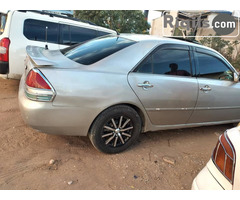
column 51, row 162
column 135, row 176
column 169, row 160
column 70, row 182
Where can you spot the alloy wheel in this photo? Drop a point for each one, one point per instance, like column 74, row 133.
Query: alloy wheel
column 117, row 131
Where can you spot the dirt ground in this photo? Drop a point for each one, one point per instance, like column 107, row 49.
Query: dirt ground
column 159, row 160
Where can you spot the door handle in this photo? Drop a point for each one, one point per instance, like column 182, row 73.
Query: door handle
column 145, row 85
column 206, row 88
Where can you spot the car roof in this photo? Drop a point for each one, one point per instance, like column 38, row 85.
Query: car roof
column 142, row 37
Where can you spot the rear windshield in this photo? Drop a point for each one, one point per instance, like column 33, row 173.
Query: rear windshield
column 3, row 19
column 97, row 49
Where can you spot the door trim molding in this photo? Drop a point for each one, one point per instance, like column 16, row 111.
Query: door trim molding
column 197, row 108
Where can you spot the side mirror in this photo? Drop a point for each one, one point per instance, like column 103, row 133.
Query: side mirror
column 236, row 77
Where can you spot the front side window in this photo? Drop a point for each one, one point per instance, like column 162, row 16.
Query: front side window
column 213, row 68
column 38, row 30
column 96, row 50
column 167, row 62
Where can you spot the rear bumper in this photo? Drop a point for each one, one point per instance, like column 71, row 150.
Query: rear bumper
column 205, row 181
column 4, row 67
column 50, row 119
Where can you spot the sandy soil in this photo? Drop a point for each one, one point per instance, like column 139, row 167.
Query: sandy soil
column 159, row 160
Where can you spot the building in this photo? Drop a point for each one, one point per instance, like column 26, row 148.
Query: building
column 194, row 28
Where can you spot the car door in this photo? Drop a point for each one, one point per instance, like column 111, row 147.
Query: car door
column 164, row 84
column 219, row 95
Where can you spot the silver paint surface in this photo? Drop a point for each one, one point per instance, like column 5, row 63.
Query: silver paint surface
column 84, row 91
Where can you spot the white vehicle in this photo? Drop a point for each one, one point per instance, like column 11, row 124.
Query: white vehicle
column 222, row 172
column 38, row 28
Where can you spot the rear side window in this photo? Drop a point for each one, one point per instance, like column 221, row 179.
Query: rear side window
column 79, row 34
column 3, row 19
column 96, row 50
column 58, row 33
column 168, row 62
column 102, row 33
column 65, row 35
column 71, row 35
column 36, row 30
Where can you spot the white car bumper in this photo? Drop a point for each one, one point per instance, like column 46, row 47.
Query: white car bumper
column 205, row 181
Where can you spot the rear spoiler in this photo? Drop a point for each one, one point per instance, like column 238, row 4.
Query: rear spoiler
column 36, row 54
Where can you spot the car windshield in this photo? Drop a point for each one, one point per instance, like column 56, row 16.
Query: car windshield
column 3, row 19
column 95, row 50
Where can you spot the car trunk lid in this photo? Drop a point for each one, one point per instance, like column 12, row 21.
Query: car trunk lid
column 41, row 57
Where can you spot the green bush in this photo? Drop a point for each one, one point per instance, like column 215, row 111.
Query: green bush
column 225, row 47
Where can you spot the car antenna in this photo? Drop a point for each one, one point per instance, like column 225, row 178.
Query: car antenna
column 118, row 34
column 46, row 46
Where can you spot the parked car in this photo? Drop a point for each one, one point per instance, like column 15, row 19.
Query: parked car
column 222, row 171
column 114, row 87
column 19, row 28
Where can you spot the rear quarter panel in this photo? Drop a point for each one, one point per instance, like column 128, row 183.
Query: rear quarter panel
column 100, row 85
column 90, row 90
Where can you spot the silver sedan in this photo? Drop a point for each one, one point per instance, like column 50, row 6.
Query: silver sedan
column 113, row 88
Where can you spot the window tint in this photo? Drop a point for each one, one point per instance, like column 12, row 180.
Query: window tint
column 36, row 30
column 146, row 67
column 168, row 62
column 65, row 36
column 56, row 33
column 95, row 50
column 102, row 33
column 79, row 34
column 71, row 35
column 213, row 68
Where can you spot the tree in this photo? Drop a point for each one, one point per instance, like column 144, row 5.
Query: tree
column 225, row 47
column 122, row 21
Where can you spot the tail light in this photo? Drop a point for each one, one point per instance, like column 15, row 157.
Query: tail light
column 35, row 80
column 38, row 87
column 4, row 49
column 224, row 157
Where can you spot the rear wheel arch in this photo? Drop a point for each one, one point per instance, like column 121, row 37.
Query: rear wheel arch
column 115, row 129
column 136, row 108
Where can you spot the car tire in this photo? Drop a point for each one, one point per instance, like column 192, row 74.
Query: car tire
column 115, row 129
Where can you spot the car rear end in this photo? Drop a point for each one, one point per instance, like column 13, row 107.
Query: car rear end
column 222, row 171
column 5, row 18
column 36, row 96
column 62, row 92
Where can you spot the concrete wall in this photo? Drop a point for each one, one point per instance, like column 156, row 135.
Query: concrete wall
column 157, row 26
